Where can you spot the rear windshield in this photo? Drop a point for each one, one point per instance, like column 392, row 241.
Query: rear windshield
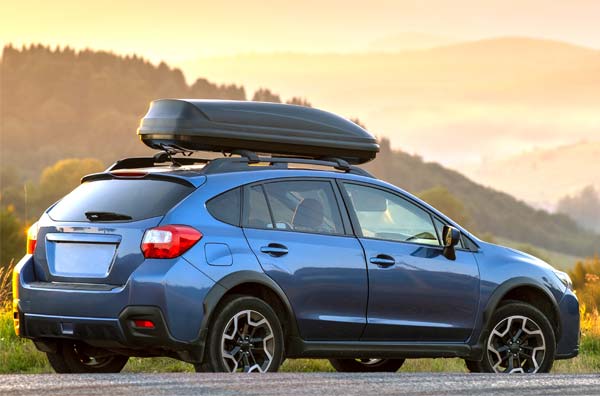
column 128, row 200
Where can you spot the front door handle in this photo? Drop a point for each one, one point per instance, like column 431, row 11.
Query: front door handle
column 383, row 260
column 275, row 249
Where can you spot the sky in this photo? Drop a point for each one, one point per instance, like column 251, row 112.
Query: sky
column 177, row 30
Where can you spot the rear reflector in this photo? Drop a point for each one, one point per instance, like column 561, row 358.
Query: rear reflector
column 143, row 324
column 169, row 241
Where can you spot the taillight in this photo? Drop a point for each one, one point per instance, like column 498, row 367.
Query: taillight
column 32, row 238
column 169, row 241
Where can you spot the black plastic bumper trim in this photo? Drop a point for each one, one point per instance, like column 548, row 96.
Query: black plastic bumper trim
column 569, row 355
column 111, row 333
column 373, row 349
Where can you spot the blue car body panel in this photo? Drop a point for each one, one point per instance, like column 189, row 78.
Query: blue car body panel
column 423, row 297
column 324, row 278
column 333, row 292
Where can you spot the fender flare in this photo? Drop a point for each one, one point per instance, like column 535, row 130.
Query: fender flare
column 216, row 293
column 512, row 284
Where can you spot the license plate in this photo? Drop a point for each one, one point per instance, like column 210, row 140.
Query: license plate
column 85, row 260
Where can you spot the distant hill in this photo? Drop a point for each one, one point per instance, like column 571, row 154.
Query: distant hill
column 408, row 41
column 60, row 103
column 543, row 176
column 64, row 103
column 492, row 211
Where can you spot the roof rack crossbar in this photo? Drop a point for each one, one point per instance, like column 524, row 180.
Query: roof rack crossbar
column 149, row 162
column 341, row 163
column 250, row 155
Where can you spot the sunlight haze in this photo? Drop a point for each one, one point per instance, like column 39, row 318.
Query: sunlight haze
column 469, row 84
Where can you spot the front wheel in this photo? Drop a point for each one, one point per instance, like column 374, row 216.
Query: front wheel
column 366, row 365
column 246, row 337
column 73, row 358
column 521, row 340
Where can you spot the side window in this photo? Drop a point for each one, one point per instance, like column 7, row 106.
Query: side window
column 304, row 206
column 226, row 207
column 384, row 215
column 439, row 226
column 256, row 209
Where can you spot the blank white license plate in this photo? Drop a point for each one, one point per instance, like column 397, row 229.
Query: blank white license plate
column 87, row 260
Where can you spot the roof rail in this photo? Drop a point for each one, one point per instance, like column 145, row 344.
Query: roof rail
column 233, row 164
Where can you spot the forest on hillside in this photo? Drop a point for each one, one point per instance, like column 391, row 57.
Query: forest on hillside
column 58, row 104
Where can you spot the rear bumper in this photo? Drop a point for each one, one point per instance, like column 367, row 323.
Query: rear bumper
column 170, row 293
column 119, row 334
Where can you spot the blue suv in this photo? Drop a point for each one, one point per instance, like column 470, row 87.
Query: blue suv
column 237, row 263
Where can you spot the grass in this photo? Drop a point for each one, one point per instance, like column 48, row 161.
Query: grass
column 21, row 356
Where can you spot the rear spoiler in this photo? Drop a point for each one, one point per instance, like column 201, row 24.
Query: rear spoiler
column 174, row 178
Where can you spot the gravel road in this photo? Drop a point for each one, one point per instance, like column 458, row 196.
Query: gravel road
column 291, row 384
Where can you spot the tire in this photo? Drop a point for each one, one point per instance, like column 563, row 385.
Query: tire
column 256, row 346
column 58, row 364
column 520, row 339
column 474, row 366
column 71, row 359
column 366, row 365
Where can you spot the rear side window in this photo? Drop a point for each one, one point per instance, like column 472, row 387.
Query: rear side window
column 256, row 209
column 120, row 200
column 226, row 207
column 302, row 206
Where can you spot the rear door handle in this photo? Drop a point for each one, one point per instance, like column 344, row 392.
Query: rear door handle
column 275, row 249
column 383, row 260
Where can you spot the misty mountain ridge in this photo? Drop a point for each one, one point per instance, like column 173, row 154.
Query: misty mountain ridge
column 409, row 41
column 544, row 176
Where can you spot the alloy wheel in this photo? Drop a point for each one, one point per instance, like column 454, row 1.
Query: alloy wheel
column 248, row 343
column 516, row 345
column 92, row 361
column 369, row 362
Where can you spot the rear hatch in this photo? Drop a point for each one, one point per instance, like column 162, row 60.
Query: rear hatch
column 93, row 235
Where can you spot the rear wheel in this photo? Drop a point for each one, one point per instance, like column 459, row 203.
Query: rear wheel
column 246, row 337
column 521, row 340
column 73, row 358
column 366, row 365
column 474, row 366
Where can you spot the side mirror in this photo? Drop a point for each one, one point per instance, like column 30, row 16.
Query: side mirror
column 450, row 236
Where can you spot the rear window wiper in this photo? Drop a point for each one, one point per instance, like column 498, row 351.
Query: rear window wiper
column 106, row 216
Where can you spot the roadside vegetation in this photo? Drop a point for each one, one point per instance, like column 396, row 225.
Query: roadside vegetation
column 21, row 356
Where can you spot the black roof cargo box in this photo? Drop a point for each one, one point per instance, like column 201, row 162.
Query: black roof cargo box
column 225, row 126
